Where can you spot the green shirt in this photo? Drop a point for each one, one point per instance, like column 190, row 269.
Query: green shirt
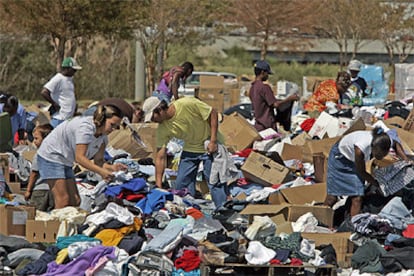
column 190, row 124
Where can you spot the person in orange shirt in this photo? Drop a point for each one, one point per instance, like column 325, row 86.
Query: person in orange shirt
column 329, row 90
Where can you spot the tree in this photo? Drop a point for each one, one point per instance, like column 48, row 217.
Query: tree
column 165, row 23
column 397, row 28
column 68, row 21
column 267, row 21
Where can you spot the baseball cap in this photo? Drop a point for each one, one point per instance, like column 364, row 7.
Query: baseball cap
column 149, row 106
column 71, row 63
column 263, row 65
column 354, row 65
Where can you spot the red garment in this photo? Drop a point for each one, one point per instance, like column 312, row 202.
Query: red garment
column 276, row 186
column 275, row 261
column 188, row 261
column 195, row 213
column 409, row 231
column 307, row 124
column 244, row 153
column 296, row 261
column 130, row 196
column 242, row 181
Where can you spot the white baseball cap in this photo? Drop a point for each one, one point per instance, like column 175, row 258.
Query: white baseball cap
column 149, row 106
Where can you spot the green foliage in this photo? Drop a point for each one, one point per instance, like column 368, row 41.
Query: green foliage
column 25, row 70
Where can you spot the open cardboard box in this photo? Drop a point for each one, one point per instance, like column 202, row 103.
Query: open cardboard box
column 283, row 214
column 238, row 133
column 263, row 170
column 306, row 194
column 123, row 139
column 340, row 241
column 42, row 231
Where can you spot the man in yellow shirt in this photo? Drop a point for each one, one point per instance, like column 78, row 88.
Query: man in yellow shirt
column 194, row 122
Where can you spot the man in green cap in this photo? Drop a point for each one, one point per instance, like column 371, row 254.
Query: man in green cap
column 59, row 91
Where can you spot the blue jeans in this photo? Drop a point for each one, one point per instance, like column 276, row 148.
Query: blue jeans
column 187, row 174
column 53, row 170
column 162, row 96
column 55, row 122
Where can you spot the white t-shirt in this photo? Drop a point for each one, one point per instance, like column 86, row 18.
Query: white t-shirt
column 362, row 139
column 62, row 91
column 60, row 145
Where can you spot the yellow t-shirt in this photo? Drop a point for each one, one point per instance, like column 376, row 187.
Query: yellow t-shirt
column 190, row 124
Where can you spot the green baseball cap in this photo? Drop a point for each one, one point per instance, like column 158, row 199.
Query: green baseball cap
column 71, row 63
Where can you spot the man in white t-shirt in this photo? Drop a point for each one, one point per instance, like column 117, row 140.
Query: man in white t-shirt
column 59, row 91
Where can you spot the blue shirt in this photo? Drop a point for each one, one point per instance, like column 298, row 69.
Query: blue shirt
column 18, row 120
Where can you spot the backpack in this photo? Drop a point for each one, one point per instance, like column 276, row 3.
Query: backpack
column 151, row 263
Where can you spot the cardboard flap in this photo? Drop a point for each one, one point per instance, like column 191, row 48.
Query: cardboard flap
column 290, row 152
column 305, row 194
column 359, row 124
column 263, row 209
column 238, row 133
column 406, row 138
column 314, row 146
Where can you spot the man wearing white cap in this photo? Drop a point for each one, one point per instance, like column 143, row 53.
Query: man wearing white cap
column 59, row 91
column 354, row 68
column 194, row 122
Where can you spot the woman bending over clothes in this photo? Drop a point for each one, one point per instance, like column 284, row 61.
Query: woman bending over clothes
column 77, row 140
column 347, row 173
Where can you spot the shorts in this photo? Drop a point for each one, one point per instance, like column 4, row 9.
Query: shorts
column 53, row 170
column 42, row 200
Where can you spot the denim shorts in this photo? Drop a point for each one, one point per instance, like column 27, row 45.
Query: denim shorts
column 53, row 170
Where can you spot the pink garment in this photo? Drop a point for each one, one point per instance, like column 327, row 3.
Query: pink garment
column 100, row 264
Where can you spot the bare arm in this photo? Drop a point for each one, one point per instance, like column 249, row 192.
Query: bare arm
column 34, row 175
column 213, row 121
column 400, row 151
column 160, row 166
column 81, row 158
column 46, row 95
column 361, row 169
column 175, row 83
column 291, row 98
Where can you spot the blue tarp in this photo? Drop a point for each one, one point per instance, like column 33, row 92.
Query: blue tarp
column 377, row 85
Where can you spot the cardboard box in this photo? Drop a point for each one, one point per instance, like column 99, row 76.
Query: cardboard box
column 263, row 170
column 315, row 146
column 43, row 117
column 15, row 187
column 42, row 231
column 214, row 97
column 123, row 139
column 395, row 121
column 282, row 213
column 407, row 140
column 290, row 152
column 305, row 194
column 238, row 133
column 29, row 154
column 13, row 219
column 340, row 241
column 409, row 122
column 148, row 133
column 211, row 82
